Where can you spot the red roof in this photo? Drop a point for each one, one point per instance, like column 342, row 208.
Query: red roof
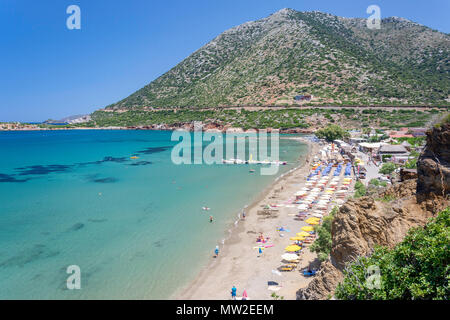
column 401, row 135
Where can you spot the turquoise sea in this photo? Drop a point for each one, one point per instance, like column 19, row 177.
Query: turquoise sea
column 135, row 227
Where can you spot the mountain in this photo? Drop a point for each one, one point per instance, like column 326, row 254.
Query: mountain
column 337, row 60
column 81, row 118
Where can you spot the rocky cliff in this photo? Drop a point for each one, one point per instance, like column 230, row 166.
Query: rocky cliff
column 433, row 166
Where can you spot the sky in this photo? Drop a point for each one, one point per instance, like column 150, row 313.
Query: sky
column 48, row 71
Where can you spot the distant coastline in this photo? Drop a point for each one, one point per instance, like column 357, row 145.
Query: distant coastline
column 187, row 127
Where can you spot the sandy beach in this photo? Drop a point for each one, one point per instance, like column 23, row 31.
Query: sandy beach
column 238, row 262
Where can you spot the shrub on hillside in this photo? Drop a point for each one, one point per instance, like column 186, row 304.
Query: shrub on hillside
column 416, row 268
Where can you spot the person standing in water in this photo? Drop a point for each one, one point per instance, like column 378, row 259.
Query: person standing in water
column 217, row 251
column 210, row 218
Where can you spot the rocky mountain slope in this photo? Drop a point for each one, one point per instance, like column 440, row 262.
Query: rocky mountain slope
column 337, row 60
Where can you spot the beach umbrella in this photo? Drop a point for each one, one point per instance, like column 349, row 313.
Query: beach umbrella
column 297, row 238
column 318, row 215
column 303, row 234
column 292, row 248
column 307, row 228
column 313, row 223
column 289, row 256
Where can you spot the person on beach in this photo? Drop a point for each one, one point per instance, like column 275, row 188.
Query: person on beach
column 244, row 295
column 233, row 293
column 216, row 251
column 243, row 215
column 210, row 218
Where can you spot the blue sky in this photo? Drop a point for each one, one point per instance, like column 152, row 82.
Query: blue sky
column 48, row 71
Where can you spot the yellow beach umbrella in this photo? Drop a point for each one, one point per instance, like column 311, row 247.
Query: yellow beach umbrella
column 297, row 238
column 313, row 223
column 307, row 228
column 303, row 234
column 292, row 248
column 312, row 220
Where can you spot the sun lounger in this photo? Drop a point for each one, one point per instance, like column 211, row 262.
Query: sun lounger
column 287, row 268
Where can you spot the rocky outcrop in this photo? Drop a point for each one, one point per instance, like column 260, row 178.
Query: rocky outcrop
column 363, row 223
column 433, row 166
column 408, row 174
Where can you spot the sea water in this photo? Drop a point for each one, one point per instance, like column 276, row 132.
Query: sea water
column 135, row 227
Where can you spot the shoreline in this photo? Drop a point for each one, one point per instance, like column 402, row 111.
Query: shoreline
column 170, row 128
column 216, row 278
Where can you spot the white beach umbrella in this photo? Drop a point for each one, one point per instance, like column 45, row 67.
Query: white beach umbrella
column 289, row 256
column 278, row 273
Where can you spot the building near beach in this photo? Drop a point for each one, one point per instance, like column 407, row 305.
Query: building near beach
column 396, row 153
column 305, row 97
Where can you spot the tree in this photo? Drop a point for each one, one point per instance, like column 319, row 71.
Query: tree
column 366, row 130
column 322, row 245
column 360, row 190
column 416, row 268
column 411, row 164
column 332, row 132
column 387, row 168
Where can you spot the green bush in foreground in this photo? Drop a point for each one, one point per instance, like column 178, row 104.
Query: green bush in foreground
column 416, row 268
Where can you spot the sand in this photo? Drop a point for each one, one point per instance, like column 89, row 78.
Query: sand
column 238, row 262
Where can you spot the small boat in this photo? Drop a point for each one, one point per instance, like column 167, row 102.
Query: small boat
column 206, row 208
column 134, row 157
column 252, row 170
